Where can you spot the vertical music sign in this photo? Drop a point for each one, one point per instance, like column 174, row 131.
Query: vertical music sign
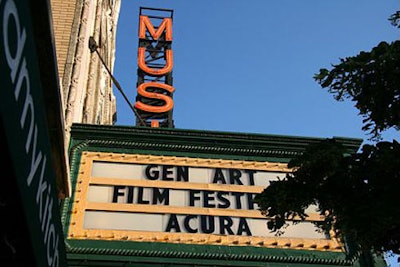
column 154, row 103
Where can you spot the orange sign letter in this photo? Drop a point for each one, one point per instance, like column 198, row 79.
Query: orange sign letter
column 169, row 103
column 155, row 72
column 145, row 23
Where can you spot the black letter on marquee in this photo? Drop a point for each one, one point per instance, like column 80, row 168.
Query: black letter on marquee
column 130, row 194
column 182, row 173
column 173, row 224
column 192, row 197
column 154, row 174
column 251, row 176
column 187, row 224
column 117, row 193
column 243, row 227
column 207, row 197
column 159, row 197
column 234, row 176
column 207, row 227
column 140, row 199
column 250, row 201
column 225, row 223
column 218, row 177
column 225, row 203
column 166, row 170
column 237, row 195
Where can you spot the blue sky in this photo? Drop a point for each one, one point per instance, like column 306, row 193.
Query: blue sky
column 248, row 66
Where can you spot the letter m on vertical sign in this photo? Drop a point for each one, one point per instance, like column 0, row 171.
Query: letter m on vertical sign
column 155, row 62
column 145, row 24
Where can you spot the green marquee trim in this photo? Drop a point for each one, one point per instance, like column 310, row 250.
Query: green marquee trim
column 205, row 252
column 193, row 143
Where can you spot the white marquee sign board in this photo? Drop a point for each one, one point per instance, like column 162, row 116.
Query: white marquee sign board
column 181, row 200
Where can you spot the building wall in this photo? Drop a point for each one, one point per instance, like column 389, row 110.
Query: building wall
column 84, row 81
column 63, row 15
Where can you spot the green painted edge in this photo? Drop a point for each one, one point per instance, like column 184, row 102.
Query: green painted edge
column 125, row 250
column 195, row 143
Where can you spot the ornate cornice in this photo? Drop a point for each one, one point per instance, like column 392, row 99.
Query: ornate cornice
column 223, row 144
column 215, row 253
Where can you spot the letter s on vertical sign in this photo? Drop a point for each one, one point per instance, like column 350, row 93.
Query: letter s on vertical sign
column 145, row 23
column 169, row 103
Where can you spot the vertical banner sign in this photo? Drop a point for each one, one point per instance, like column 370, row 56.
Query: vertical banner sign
column 154, row 101
column 23, row 116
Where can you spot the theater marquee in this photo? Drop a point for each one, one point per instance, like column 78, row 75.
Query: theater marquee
column 181, row 200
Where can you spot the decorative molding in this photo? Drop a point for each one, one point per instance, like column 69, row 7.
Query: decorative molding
column 269, row 255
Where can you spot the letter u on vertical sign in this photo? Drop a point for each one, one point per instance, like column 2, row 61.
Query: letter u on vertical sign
column 155, row 72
